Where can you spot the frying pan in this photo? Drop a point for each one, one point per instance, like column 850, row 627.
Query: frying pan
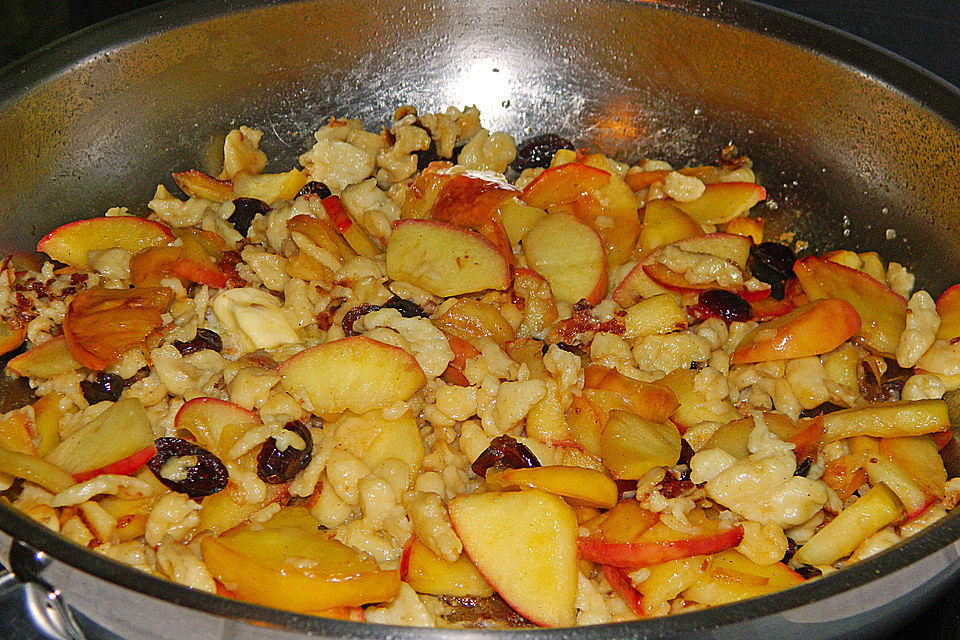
column 856, row 148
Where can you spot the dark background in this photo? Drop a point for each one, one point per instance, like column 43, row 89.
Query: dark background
column 927, row 32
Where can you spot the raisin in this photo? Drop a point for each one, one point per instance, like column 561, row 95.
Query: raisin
column 808, row 572
column 504, row 452
column 792, row 548
column 428, row 155
column 804, row 467
column 355, row 314
column 819, row 410
column 205, row 339
column 244, row 211
column 275, row 466
column 625, row 486
column 315, row 188
column 105, row 387
column 672, row 486
column 538, row 151
column 406, row 308
column 772, row 263
column 723, row 304
column 208, row 475
column 686, row 453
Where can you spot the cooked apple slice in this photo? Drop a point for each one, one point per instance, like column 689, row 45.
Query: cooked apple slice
column 815, row 328
column 626, row 522
column 36, row 470
column 883, row 313
column 539, row 309
column 123, row 467
column 580, row 486
column 11, row 336
column 668, row 579
column 635, row 286
column 471, row 200
column 427, row 572
column 608, row 389
column 374, row 438
column 634, row 555
column 269, row 187
column 619, row 581
column 16, row 433
column 919, row 457
column 121, row 431
column 844, row 475
column 887, row 420
column 188, row 262
column 52, row 358
column 356, row 374
column 663, row 224
column 563, row 184
column 444, row 259
column 525, row 545
column 462, row 351
column 518, row 218
column 948, row 308
column 630, row 446
column 255, row 561
column 653, row 316
column 727, row 246
column 47, row 414
column 228, row 508
column 733, row 577
column 873, row 511
column 322, row 233
column 216, row 424
column 332, row 208
column 100, row 323
column 584, row 423
column 71, row 242
column 198, row 184
column 751, row 228
column 569, row 255
column 906, row 478
column 638, row 180
column 469, row 319
column 723, row 201
column 733, row 436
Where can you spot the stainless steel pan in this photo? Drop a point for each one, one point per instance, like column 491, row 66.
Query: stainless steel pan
column 849, row 141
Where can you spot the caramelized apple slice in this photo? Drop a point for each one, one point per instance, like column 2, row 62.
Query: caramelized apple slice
column 570, row 256
column 100, row 324
column 16, row 433
column 732, row 577
column 815, row 328
column 36, row 470
column 198, row 184
column 837, row 539
column 11, row 336
column 608, row 389
column 630, row 446
column 563, row 184
column 525, row 545
column 663, row 224
column 883, row 313
column 356, row 374
column 580, row 486
column 71, row 242
column 887, row 419
column 469, row 319
column 948, row 308
column 427, row 572
column 723, row 201
column 444, row 259
column 255, row 560
column 634, row 555
column 44, row 361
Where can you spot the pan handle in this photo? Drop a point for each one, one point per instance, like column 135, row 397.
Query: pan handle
column 42, row 603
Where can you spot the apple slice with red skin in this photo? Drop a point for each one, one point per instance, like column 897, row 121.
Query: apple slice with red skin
column 332, row 208
column 663, row 224
column 635, row 286
column 634, row 555
column 462, row 351
column 815, row 328
column 445, row 259
column 11, row 336
column 52, row 358
column 356, row 374
column 723, row 201
column 215, row 423
column 619, row 581
column 188, row 262
column 883, row 313
column 728, row 246
column 198, row 184
column 71, row 242
column 525, row 545
column 471, row 200
column 427, row 572
column 948, row 308
column 563, row 184
column 125, row 467
column 118, row 436
column 570, row 256
column 732, row 577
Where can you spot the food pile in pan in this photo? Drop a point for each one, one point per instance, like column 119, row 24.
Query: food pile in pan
column 434, row 377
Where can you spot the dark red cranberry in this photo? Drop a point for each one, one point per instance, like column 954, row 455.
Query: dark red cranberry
column 275, row 466
column 723, row 304
column 538, row 151
column 355, row 314
column 244, row 211
column 315, row 188
column 205, row 339
column 105, row 387
column 504, row 452
column 208, row 475
column 406, row 308
column 686, row 454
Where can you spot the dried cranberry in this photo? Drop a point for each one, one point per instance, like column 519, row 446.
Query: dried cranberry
column 208, row 475
column 538, row 151
column 105, row 387
column 686, row 453
column 772, row 263
column 723, row 304
column 804, row 467
column 672, row 486
column 315, row 188
column 792, row 548
column 406, row 308
column 428, row 155
column 625, row 486
column 244, row 211
column 275, row 466
column 819, row 410
column 205, row 339
column 355, row 314
column 504, row 452
column 808, row 572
